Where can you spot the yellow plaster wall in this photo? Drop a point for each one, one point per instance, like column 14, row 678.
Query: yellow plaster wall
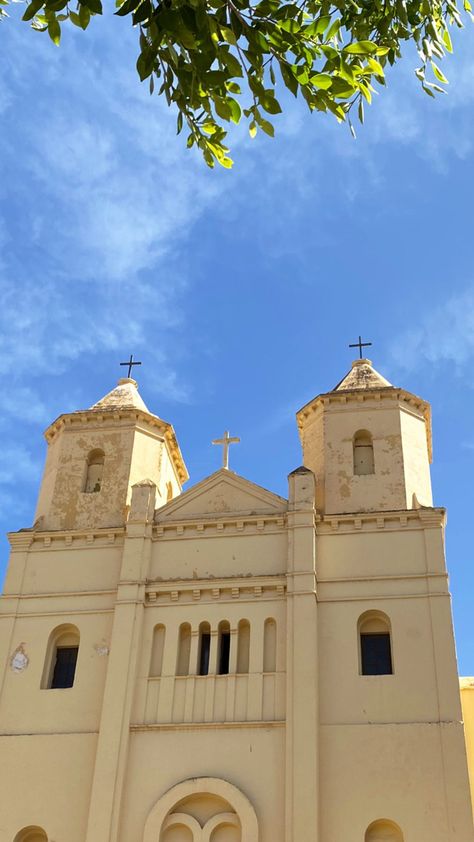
column 415, row 457
column 467, row 701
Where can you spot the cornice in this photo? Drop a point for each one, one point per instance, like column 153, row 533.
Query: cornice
column 159, row 592
column 375, row 521
column 63, row 539
column 363, row 396
column 217, row 524
column 100, row 417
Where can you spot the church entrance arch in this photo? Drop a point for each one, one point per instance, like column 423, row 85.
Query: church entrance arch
column 202, row 810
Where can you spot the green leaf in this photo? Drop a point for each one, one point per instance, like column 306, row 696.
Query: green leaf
column 269, row 103
column 84, row 16
column 127, row 7
column 145, row 63
column 253, row 128
column 223, row 109
column 228, row 35
column 319, row 26
column 439, row 75
column 232, row 63
column 361, row 48
column 54, row 30
column 333, row 30
column 75, row 19
column 322, row 80
column 361, row 110
column 288, row 78
column 236, row 111
column 94, row 6
column 266, row 127
column 32, row 9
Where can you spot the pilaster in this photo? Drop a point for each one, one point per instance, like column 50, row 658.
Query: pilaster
column 302, row 796
column 112, row 748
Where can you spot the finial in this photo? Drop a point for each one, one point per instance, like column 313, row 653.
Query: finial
column 226, row 441
column 360, row 345
column 130, row 364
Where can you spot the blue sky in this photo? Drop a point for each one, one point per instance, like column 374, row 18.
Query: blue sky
column 241, row 290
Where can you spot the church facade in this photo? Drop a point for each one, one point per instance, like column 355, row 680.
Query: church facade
column 226, row 665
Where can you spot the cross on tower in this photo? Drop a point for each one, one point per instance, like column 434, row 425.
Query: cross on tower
column 130, row 364
column 360, row 345
column 226, row 441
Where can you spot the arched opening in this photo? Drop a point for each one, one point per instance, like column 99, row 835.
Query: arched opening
column 363, row 453
column 375, row 644
column 243, row 647
column 202, row 810
column 94, row 471
column 184, row 649
column 31, row 834
column 204, row 648
column 158, row 645
column 61, row 658
column 223, row 652
column 383, row 830
column 269, row 646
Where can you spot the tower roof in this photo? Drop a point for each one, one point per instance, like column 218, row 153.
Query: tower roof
column 362, row 376
column 124, row 396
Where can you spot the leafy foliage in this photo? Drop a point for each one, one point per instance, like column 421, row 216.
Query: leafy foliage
column 209, row 56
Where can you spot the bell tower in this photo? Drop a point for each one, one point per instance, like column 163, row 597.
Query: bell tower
column 369, row 445
column 96, row 455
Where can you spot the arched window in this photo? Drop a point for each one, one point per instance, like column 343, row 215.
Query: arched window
column 156, row 661
column 61, row 658
column 243, row 646
column 363, row 453
column 204, row 648
column 383, row 830
column 375, row 644
column 184, row 649
column 269, row 646
column 95, row 469
column 31, row 834
column 223, row 656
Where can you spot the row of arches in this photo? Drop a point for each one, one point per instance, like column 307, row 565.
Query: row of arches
column 218, row 651
column 374, row 635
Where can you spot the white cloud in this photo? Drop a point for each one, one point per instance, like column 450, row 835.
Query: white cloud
column 17, row 465
column 446, row 334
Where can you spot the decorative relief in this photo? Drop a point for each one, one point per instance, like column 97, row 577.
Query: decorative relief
column 19, row 660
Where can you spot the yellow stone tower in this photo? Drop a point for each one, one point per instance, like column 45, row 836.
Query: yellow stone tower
column 226, row 665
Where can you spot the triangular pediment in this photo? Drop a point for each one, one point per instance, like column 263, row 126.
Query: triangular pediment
column 222, row 493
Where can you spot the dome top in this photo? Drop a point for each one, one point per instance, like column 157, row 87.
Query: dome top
column 362, row 376
column 124, row 396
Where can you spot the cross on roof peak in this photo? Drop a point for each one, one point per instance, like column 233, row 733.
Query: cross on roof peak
column 225, row 442
column 360, row 345
column 130, row 364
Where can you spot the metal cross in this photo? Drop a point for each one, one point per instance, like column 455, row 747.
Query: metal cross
column 130, row 364
column 226, row 441
column 360, row 345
